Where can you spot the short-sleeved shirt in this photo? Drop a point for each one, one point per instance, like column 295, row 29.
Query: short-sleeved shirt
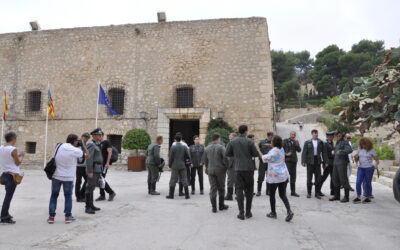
column 66, row 161
column 366, row 158
column 277, row 170
column 104, row 146
column 7, row 163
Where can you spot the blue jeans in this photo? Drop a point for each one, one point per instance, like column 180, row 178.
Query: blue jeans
column 8, row 181
column 55, row 190
column 364, row 178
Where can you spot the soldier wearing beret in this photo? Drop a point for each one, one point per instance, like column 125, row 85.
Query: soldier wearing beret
column 93, row 168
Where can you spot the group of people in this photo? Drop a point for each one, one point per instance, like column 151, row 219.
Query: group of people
column 78, row 159
column 235, row 164
column 232, row 165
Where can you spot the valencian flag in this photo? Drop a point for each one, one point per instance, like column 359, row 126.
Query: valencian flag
column 50, row 106
column 103, row 99
column 5, row 109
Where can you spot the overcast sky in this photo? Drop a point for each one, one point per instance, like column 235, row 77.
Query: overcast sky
column 293, row 25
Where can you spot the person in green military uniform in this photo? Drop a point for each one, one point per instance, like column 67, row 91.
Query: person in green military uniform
column 313, row 156
column 243, row 149
column 230, row 173
column 216, row 165
column 177, row 155
column 196, row 155
column 339, row 174
column 291, row 146
column 265, row 146
column 153, row 161
column 94, row 167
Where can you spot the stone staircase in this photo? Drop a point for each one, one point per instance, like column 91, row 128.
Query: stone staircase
column 386, row 175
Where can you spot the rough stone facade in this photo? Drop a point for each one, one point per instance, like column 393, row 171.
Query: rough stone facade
column 226, row 61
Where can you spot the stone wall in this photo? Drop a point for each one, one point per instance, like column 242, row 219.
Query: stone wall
column 226, row 61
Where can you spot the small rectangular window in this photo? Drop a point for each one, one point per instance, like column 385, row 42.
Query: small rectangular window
column 30, row 147
column 117, row 99
column 33, row 101
column 116, row 141
column 184, row 97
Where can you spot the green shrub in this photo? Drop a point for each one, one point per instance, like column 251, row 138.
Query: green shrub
column 219, row 123
column 384, row 152
column 136, row 139
column 222, row 131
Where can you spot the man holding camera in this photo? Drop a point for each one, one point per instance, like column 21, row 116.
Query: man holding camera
column 66, row 160
column 153, row 162
column 94, row 167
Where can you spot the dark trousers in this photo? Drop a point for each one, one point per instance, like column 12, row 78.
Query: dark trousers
column 262, row 168
column 199, row 171
column 107, row 189
column 340, row 177
column 282, row 194
column 153, row 173
column 55, row 191
column 230, row 178
column 244, row 184
column 217, row 184
column 292, row 168
column 80, row 190
column 181, row 183
column 91, row 184
column 327, row 172
column 8, row 182
column 176, row 175
column 314, row 169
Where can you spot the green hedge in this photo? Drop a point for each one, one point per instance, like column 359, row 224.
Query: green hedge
column 136, row 139
column 222, row 131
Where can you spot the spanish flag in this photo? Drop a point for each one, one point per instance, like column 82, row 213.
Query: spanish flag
column 5, row 109
column 50, row 106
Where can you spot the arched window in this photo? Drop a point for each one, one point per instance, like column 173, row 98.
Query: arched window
column 117, row 99
column 33, row 101
column 184, row 97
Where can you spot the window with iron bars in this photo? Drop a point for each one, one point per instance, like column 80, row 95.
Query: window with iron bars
column 117, row 99
column 116, row 141
column 33, row 101
column 30, row 147
column 184, row 97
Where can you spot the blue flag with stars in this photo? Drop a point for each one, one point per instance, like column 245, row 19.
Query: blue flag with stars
column 103, row 99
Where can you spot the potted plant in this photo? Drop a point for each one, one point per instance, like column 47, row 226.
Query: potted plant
column 136, row 139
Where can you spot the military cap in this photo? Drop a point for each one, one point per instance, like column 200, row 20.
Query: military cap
column 330, row 133
column 97, row 131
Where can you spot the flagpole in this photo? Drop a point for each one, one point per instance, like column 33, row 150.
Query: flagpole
column 47, row 124
column 97, row 103
column 2, row 118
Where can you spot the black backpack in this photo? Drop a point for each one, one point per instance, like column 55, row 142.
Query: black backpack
column 114, row 155
column 51, row 165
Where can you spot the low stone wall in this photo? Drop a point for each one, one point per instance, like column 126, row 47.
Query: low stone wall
column 286, row 114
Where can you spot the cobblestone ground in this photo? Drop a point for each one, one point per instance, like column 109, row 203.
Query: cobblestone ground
column 135, row 220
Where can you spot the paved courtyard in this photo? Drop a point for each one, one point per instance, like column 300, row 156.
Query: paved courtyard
column 135, row 220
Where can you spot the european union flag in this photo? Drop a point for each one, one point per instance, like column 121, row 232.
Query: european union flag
column 103, row 99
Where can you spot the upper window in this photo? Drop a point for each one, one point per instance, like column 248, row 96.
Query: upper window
column 184, row 97
column 117, row 99
column 33, row 101
column 116, row 141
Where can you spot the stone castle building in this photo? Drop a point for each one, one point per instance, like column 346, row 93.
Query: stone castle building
column 164, row 77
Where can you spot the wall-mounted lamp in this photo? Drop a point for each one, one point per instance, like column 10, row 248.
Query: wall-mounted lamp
column 144, row 116
column 221, row 114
